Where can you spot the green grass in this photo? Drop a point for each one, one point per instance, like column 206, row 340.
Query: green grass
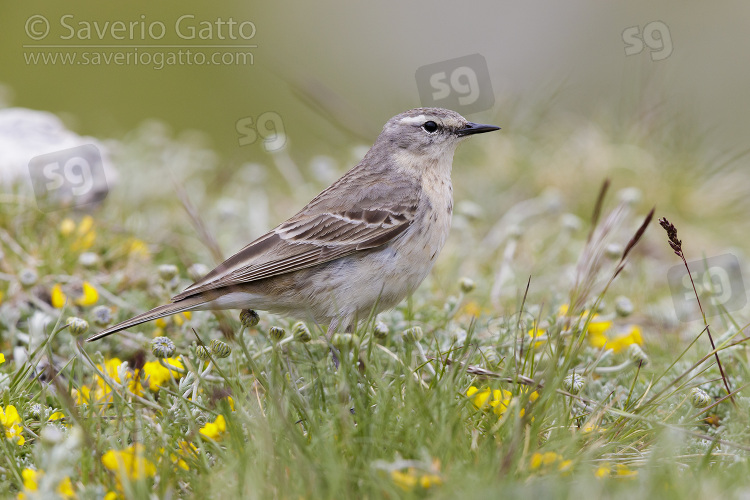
column 395, row 419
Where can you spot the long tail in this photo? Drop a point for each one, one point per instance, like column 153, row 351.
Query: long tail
column 155, row 313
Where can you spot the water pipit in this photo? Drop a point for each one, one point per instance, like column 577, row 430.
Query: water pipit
column 357, row 248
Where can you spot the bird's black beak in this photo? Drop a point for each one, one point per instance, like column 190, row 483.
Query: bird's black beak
column 476, row 128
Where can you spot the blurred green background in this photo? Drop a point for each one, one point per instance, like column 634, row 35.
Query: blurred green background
column 360, row 59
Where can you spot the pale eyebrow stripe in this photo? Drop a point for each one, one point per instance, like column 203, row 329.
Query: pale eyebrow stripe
column 413, row 120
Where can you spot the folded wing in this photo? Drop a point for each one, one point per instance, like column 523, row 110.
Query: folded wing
column 313, row 236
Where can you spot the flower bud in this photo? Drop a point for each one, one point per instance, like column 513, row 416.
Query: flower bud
column 345, row 340
column 88, row 259
column 623, row 306
column 492, row 357
column 51, row 435
column 28, row 276
column 197, row 271
column 219, row 348
column 167, row 271
column 699, row 398
column 301, row 332
column 102, row 315
column 199, row 416
column 467, row 285
column 413, row 334
column 514, row 232
column 380, row 331
column 637, row 354
column 37, row 411
column 613, row 251
column 571, row 222
column 202, row 352
column 276, row 333
column 630, row 195
column 573, row 383
column 597, row 305
column 249, row 318
column 76, row 325
column 162, row 347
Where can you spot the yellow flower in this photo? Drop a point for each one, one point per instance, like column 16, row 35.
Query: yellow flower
column 137, row 248
column 89, row 297
column 544, row 459
column 411, row 478
column 65, row 488
column 598, row 341
column 103, row 391
column 11, row 420
column 622, row 470
column 602, row 470
column 58, row 297
column 537, row 332
column 56, row 416
column 86, row 235
column 621, row 342
column 179, row 462
column 130, row 461
column 214, row 430
column 86, row 225
column 110, row 368
column 176, row 460
column 498, row 399
column 157, row 375
column 230, row 400
column 135, row 386
column 30, row 478
column 2, row 358
column 111, row 495
column 429, row 480
column 619, row 471
column 404, row 480
column 592, row 427
column 187, row 449
column 82, row 396
column 478, row 398
column 67, row 226
column 177, row 319
column 472, row 309
column 533, row 396
column 598, row 327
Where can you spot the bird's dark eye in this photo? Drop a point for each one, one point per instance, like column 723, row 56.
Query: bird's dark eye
column 430, row 126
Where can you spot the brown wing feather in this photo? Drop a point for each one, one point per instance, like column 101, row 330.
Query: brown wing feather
column 310, row 238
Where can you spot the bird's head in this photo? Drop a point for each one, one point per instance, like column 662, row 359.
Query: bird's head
column 429, row 134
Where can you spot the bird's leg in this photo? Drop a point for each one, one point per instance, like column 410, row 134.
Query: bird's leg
column 329, row 335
